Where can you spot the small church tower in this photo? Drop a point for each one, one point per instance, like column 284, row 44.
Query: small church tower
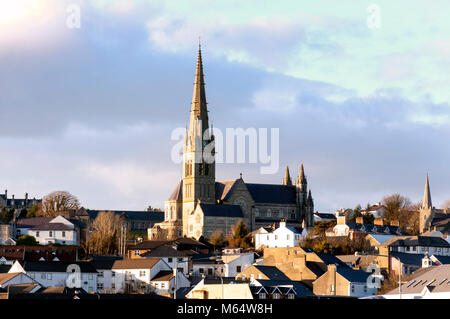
column 426, row 212
column 304, row 200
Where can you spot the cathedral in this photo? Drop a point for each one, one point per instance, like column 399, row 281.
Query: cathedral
column 200, row 205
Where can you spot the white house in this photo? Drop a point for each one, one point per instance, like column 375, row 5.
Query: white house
column 58, row 230
column 283, row 236
column 171, row 256
column 227, row 265
column 59, row 274
column 138, row 275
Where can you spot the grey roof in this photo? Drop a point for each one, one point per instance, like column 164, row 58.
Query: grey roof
column 224, row 189
column 165, row 251
column 272, row 272
column 178, row 192
column 56, row 266
column 435, row 278
column 331, row 259
column 31, row 222
column 416, row 259
column 426, row 241
column 273, row 194
column 219, row 210
column 377, row 229
column 131, row 215
column 351, row 274
column 52, row 226
column 300, row 289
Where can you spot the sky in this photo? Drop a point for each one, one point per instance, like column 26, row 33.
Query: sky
column 90, row 108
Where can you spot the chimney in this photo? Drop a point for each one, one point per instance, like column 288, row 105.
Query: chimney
column 332, row 278
column 6, row 193
column 395, row 223
column 341, row 220
column 300, row 261
column 378, row 222
column 282, row 223
column 26, row 195
column 359, row 220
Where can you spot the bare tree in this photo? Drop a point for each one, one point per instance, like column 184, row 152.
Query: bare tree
column 104, row 235
column 56, row 203
column 217, row 238
column 393, row 205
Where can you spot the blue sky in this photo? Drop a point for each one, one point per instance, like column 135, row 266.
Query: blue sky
column 91, row 110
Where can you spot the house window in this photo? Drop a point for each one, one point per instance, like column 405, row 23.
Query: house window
column 180, row 260
column 64, row 234
column 49, row 276
column 210, row 271
column 262, row 295
column 113, row 286
column 99, row 286
column 142, row 273
column 100, row 274
column 163, row 285
column 31, row 275
column 90, row 277
column 137, row 252
column 276, row 237
column 37, row 234
column 238, row 269
column 43, row 275
column 50, row 234
column 291, row 296
column 201, row 270
column 113, row 274
column 288, row 237
column 276, row 296
column 353, row 288
column 256, row 212
column 169, row 259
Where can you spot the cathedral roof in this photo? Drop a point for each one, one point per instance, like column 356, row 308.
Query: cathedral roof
column 223, row 189
column 273, row 194
column 178, row 192
column 217, row 210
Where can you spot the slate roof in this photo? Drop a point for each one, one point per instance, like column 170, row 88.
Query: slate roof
column 163, row 275
column 178, row 192
column 164, row 251
column 4, row 268
column 56, row 266
column 218, row 210
column 272, row 272
column 272, row 194
column 52, row 226
column 7, row 277
column 142, row 263
column 31, row 222
column 426, row 241
column 435, row 278
column 131, row 215
column 369, row 228
column 416, row 259
column 224, row 189
column 299, row 288
column 352, row 275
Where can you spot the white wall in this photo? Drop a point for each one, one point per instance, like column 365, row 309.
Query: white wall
column 280, row 237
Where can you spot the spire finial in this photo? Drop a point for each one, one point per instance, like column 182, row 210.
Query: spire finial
column 287, row 177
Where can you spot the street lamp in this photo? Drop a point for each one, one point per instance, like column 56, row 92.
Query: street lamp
column 399, row 269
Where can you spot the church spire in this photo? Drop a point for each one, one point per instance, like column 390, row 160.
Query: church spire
column 287, row 177
column 427, row 195
column 198, row 105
